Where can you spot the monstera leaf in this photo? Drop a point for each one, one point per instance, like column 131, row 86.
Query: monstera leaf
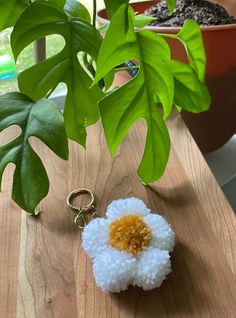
column 159, row 80
column 191, row 92
column 81, row 108
column 135, row 100
column 30, row 183
column 10, row 11
column 190, row 36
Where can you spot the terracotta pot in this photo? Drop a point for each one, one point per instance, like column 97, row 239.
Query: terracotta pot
column 213, row 128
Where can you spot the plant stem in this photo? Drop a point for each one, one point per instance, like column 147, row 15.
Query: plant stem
column 89, row 64
column 94, row 12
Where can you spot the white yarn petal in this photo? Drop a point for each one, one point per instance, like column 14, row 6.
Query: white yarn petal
column 114, row 270
column 121, row 207
column 152, row 268
column 95, row 237
column 162, row 235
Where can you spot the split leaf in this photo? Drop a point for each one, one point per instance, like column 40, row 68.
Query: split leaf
column 191, row 38
column 30, row 182
column 190, row 35
column 81, row 108
column 135, row 100
column 190, row 93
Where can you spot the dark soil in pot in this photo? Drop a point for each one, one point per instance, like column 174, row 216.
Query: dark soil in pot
column 202, row 11
column 213, row 128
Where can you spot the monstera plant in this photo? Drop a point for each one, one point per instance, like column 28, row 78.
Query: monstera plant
column 87, row 65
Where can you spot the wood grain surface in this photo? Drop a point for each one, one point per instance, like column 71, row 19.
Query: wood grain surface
column 45, row 273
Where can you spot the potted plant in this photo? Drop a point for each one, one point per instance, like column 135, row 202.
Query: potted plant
column 87, row 64
column 213, row 128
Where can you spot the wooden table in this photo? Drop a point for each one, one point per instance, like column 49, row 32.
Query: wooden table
column 45, row 273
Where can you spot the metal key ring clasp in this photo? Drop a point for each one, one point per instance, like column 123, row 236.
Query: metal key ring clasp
column 80, row 212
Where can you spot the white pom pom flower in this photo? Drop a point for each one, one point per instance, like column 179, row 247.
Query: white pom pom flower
column 130, row 247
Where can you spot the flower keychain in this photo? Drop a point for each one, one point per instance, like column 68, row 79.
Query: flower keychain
column 129, row 247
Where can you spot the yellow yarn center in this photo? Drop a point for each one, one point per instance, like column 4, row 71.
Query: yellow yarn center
column 130, row 233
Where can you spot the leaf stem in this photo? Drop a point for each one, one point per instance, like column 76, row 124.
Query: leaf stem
column 94, row 12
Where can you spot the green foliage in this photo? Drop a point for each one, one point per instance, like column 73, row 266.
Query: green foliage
column 190, row 37
column 190, row 91
column 171, row 5
column 77, row 10
column 10, row 10
column 60, row 3
column 112, row 6
column 156, row 80
column 141, row 20
column 86, row 65
column 81, row 102
column 138, row 94
column 30, row 183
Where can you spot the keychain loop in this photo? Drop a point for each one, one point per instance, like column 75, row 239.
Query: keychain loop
column 78, row 192
column 81, row 212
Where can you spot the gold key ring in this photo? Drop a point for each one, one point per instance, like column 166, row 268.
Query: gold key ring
column 80, row 212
